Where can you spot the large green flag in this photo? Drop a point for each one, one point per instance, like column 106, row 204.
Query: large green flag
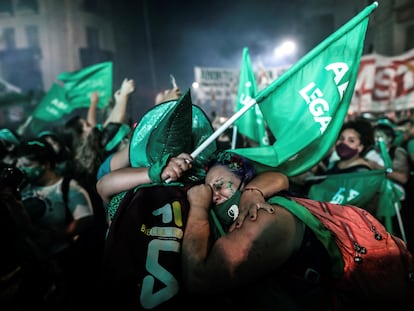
column 53, row 105
column 79, row 85
column 251, row 123
column 306, row 106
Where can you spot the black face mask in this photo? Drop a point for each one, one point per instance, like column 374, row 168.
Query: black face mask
column 345, row 152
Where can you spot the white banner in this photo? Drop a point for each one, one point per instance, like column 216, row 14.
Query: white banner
column 384, row 83
column 217, row 87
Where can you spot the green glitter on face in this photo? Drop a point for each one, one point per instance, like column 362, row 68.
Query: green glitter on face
column 230, row 186
column 218, row 185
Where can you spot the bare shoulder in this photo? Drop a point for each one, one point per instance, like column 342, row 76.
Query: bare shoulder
column 276, row 235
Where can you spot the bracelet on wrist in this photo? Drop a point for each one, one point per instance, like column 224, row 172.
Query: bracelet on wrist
column 254, row 189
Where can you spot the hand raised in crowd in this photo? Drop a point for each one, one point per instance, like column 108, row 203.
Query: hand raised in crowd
column 167, row 95
column 127, row 87
column 94, row 97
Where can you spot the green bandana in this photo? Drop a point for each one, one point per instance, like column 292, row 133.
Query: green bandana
column 123, row 131
column 224, row 214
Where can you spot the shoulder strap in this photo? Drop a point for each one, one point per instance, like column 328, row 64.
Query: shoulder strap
column 65, row 196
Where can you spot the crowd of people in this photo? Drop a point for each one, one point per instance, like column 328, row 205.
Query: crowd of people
column 357, row 150
column 62, row 190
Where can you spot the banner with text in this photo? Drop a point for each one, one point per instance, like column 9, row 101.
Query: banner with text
column 384, row 84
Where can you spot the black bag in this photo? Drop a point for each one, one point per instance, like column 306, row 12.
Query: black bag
column 142, row 259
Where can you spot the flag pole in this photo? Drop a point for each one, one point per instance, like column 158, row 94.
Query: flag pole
column 400, row 222
column 22, row 129
column 234, row 138
column 222, row 128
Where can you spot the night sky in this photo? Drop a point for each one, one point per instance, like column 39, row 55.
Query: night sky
column 159, row 38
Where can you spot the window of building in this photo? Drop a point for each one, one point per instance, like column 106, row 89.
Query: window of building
column 9, row 38
column 32, row 34
column 6, row 7
column 92, row 37
column 27, row 5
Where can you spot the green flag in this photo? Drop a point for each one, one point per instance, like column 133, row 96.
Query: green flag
column 389, row 204
column 79, row 85
column 53, row 105
column 357, row 188
column 251, row 123
column 306, row 106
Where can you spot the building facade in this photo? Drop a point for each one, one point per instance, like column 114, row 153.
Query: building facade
column 42, row 38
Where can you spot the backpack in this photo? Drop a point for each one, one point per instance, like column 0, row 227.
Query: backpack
column 367, row 259
column 142, row 257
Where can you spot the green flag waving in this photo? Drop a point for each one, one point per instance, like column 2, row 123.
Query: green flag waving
column 53, row 105
column 251, row 123
column 80, row 84
column 306, row 106
column 358, row 188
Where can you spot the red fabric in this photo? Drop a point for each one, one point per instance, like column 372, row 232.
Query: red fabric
column 379, row 269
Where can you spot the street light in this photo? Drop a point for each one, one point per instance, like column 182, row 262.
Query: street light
column 286, row 49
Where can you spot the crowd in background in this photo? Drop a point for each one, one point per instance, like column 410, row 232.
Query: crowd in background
column 54, row 222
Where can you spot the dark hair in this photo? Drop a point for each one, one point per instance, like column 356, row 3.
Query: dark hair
column 64, row 152
column 365, row 131
column 38, row 150
column 238, row 165
column 386, row 129
column 72, row 132
column 113, row 134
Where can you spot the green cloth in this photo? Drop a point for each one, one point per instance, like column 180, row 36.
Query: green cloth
column 357, row 188
column 8, row 136
column 172, row 128
column 53, row 106
column 306, row 106
column 360, row 189
column 155, row 170
column 251, row 123
column 79, row 85
column 122, row 132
